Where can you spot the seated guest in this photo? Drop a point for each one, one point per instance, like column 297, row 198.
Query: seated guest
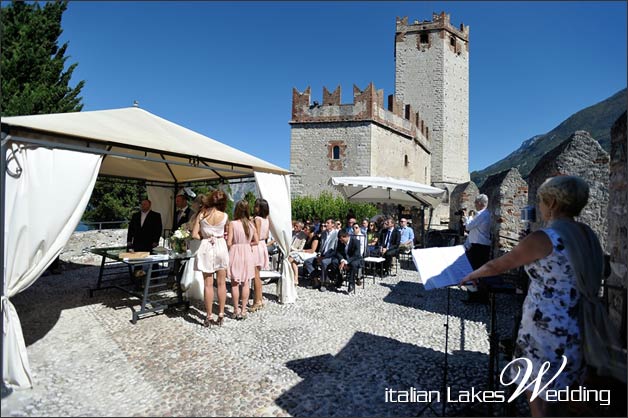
column 298, row 236
column 347, row 257
column 310, row 247
column 357, row 234
column 389, row 239
column 372, row 237
column 407, row 236
column 327, row 245
column 350, row 223
column 364, row 226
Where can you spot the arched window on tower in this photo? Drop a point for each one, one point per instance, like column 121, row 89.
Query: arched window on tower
column 336, row 152
column 405, row 160
column 423, row 38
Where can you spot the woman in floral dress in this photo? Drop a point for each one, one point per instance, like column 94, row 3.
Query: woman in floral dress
column 553, row 329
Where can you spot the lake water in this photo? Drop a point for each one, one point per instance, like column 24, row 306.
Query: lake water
column 81, row 227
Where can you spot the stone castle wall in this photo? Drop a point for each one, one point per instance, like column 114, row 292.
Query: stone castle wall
column 371, row 140
column 309, row 151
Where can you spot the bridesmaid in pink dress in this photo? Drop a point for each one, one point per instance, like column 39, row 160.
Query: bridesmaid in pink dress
column 241, row 239
column 212, row 256
column 261, row 252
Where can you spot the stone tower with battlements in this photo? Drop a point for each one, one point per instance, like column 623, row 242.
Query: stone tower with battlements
column 432, row 75
column 420, row 133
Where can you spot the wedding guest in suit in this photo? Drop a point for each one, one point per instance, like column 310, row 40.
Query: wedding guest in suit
column 213, row 255
column 348, row 257
column 262, row 225
column 183, row 211
column 144, row 229
column 242, row 240
column 144, row 232
column 389, row 239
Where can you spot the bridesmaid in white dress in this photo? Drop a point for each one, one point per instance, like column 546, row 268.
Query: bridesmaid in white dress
column 192, row 282
column 213, row 255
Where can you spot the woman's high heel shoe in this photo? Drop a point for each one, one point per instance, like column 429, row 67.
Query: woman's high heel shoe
column 256, row 307
column 208, row 321
column 221, row 317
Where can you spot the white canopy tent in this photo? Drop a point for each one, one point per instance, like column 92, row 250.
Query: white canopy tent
column 50, row 166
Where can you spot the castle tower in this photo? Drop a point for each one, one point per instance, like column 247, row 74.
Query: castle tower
column 432, row 75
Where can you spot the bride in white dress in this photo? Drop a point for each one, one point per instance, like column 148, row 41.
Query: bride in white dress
column 192, row 282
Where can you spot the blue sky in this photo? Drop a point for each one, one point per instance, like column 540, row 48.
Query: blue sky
column 227, row 69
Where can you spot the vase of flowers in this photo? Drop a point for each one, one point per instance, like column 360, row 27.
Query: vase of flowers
column 179, row 240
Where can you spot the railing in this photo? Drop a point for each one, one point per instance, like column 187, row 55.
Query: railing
column 98, row 225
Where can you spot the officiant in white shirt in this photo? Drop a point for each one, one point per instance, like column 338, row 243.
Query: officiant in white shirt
column 479, row 251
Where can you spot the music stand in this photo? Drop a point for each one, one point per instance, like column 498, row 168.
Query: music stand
column 445, row 368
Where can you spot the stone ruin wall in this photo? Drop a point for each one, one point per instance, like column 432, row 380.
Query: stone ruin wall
column 617, row 240
column 580, row 155
column 507, row 195
column 462, row 196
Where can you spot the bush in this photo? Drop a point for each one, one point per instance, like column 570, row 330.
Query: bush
column 327, row 206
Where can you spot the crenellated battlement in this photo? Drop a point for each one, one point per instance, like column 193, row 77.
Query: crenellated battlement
column 368, row 105
column 440, row 23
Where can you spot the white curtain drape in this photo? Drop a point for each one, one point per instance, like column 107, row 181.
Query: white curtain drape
column 275, row 188
column 162, row 201
column 47, row 191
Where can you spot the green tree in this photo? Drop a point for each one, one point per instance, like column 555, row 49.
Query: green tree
column 251, row 198
column 34, row 79
column 114, row 200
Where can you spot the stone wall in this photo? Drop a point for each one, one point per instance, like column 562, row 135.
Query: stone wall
column 432, row 75
column 579, row 155
column 462, row 196
column 617, row 243
column 507, row 194
column 310, row 159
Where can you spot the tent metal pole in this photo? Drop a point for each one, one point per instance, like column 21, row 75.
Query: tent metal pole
column 3, row 181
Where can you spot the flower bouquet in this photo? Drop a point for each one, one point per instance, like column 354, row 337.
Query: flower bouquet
column 179, row 240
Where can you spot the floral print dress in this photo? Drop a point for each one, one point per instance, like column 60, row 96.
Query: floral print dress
column 549, row 321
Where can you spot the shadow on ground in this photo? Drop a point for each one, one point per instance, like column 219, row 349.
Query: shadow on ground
column 355, row 381
column 39, row 307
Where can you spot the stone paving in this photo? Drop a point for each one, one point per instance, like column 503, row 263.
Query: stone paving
column 329, row 354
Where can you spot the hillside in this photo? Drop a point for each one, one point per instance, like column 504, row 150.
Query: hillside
column 596, row 119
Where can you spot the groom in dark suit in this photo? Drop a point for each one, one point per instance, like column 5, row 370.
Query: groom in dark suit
column 348, row 257
column 144, row 229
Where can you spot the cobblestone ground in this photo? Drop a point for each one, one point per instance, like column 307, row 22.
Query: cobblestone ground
column 329, row 354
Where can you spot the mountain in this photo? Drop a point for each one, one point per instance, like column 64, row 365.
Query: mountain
column 596, row 119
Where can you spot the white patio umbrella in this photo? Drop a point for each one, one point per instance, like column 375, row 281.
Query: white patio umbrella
column 387, row 190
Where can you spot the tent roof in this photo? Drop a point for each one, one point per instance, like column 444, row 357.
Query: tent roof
column 387, row 190
column 138, row 144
